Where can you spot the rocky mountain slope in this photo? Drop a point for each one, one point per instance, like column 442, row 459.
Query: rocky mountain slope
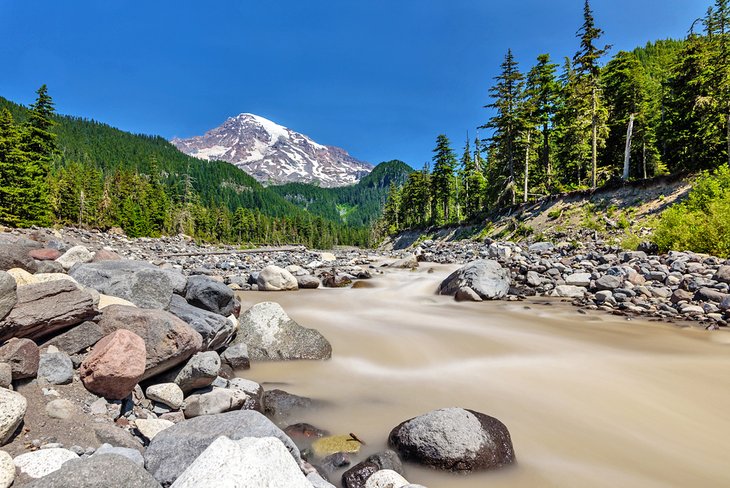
column 274, row 154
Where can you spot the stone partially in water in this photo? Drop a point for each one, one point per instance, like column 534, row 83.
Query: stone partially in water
column 337, row 443
column 454, row 439
column 486, row 278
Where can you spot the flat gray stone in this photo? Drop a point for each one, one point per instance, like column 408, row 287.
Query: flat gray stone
column 56, row 368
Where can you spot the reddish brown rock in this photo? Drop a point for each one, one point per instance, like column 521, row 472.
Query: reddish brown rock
column 44, row 308
column 169, row 340
column 104, row 255
column 115, row 365
column 23, row 356
column 45, row 254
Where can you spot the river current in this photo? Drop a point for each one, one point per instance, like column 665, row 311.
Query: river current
column 591, row 400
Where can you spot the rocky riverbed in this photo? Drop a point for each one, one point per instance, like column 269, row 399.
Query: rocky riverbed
column 123, row 361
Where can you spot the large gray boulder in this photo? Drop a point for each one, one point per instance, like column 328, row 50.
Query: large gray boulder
column 215, row 329
column 168, row 340
column 139, row 282
column 14, row 253
column 454, row 439
column 270, row 334
column 45, row 308
column 259, row 462
column 208, row 294
column 485, row 277
column 8, row 294
column 174, row 449
column 97, row 471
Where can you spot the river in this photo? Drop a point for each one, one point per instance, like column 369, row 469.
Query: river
column 590, row 400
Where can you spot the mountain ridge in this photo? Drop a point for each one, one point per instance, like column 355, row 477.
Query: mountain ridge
column 274, row 154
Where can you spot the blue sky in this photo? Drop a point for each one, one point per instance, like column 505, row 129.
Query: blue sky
column 381, row 78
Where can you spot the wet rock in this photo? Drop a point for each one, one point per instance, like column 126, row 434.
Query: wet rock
column 78, row 338
column 12, row 411
column 215, row 329
column 38, row 464
column 466, row 294
column 336, row 280
column 168, row 393
column 308, row 282
column 208, row 294
column 271, row 335
column 217, row 401
column 139, row 282
column 357, row 476
column 408, row 262
column 274, row 278
column 7, row 470
column 169, row 341
column 454, row 439
column 23, row 357
column 244, row 462
column 200, row 371
column 487, row 278
column 236, row 356
column 45, row 308
column 337, row 443
column 75, row 255
column 115, row 365
column 99, row 470
column 56, row 368
column 304, row 432
column 175, row 448
column 8, row 294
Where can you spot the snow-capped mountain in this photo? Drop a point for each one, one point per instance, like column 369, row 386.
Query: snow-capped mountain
column 272, row 153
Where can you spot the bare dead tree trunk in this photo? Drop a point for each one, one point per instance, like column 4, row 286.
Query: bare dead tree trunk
column 527, row 165
column 627, row 152
column 643, row 158
column 594, row 142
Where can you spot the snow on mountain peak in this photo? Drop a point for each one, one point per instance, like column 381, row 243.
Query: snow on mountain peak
column 272, row 153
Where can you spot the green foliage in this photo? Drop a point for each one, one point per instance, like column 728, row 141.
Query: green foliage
column 701, row 223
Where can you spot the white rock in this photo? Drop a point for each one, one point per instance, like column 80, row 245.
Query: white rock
column 12, row 410
column 385, row 478
column 149, row 428
column 106, row 300
column 327, row 257
column 77, row 254
column 37, row 464
column 274, row 278
column 217, row 401
column 570, row 291
column 578, row 279
column 168, row 393
column 7, row 470
column 247, row 463
column 22, row 277
column 46, row 277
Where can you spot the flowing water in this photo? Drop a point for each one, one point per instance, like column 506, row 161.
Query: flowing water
column 590, row 400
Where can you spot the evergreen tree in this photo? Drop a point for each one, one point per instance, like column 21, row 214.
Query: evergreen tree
column 14, row 178
column 588, row 71
column 391, row 211
column 507, row 124
column 442, row 179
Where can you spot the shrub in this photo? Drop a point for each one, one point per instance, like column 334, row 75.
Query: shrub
column 701, row 223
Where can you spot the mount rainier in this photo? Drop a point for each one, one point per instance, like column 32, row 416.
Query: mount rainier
column 274, row 154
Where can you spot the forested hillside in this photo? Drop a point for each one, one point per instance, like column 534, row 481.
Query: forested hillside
column 101, row 177
column 356, row 205
column 581, row 122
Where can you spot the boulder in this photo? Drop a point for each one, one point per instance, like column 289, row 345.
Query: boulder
column 578, row 279
column 8, row 294
column 132, row 454
column 75, row 255
column 12, row 411
column 486, row 277
column 137, row 281
column 38, row 464
column 280, row 405
column 45, row 254
column 56, row 368
column 710, row 295
column 609, row 282
column 99, row 470
column 335, row 443
column 236, row 356
column 168, row 393
column 22, row 277
column 23, row 357
column 218, row 400
column 78, row 338
column 335, row 280
column 106, row 255
column 259, row 462
column 466, row 294
column 570, row 291
column 45, row 308
column 149, row 428
column 15, row 253
column 722, row 274
column 357, row 476
column 541, row 247
column 308, row 281
column 454, row 439
column 168, row 340
column 115, row 365
column 174, row 449
column 7, row 470
column 407, row 262
column 208, row 294
column 50, row 267
column 274, row 278
column 271, row 335
column 200, row 371
column 215, row 329
column 253, row 390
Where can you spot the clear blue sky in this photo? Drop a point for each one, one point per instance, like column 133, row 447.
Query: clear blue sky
column 381, row 78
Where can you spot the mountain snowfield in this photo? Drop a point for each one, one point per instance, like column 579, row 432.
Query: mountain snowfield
column 274, row 154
